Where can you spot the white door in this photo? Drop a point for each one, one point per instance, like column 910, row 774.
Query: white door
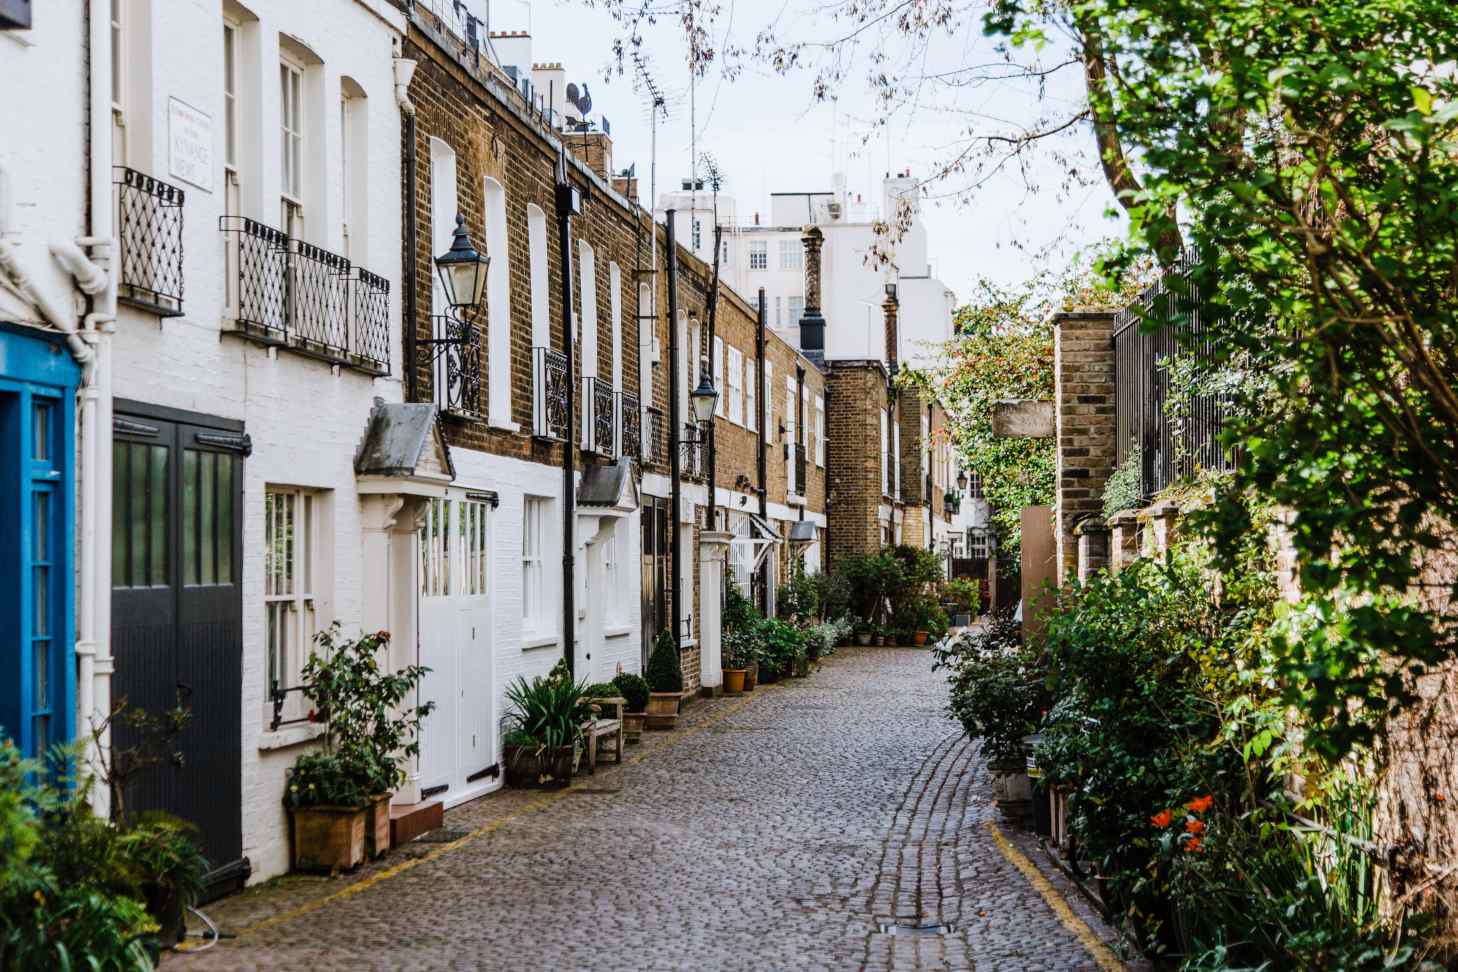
column 457, row 744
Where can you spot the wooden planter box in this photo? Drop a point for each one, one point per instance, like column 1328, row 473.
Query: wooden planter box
column 633, row 726
column 663, row 709
column 377, row 826
column 329, row 838
column 528, row 768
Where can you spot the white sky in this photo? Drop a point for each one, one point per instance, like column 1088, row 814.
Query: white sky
column 769, row 135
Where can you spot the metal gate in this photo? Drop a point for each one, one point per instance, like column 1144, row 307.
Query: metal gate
column 177, row 503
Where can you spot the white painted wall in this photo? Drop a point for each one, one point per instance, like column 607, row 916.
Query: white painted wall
column 305, row 420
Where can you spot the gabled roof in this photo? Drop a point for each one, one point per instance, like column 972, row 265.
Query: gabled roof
column 401, row 440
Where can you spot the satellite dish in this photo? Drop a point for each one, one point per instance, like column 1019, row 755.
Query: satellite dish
column 581, row 100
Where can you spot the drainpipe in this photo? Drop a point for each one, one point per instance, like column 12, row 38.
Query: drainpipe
column 567, row 205
column 760, row 402
column 713, row 314
column 404, row 71
column 673, row 430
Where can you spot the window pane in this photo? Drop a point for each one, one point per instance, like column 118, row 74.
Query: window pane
column 159, row 553
column 208, row 462
column 137, row 532
column 42, row 579
column 41, row 433
column 42, row 514
column 305, row 533
column 225, row 520
column 120, row 452
column 189, row 517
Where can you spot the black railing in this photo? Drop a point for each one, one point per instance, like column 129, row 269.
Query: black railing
column 657, row 437
column 632, row 419
column 294, row 294
column 457, row 366
column 1164, row 332
column 599, row 424
column 149, row 232
column 692, row 451
column 801, row 465
column 550, row 394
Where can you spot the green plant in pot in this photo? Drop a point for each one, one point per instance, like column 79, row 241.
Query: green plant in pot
column 634, row 689
column 864, row 632
column 665, row 682
column 544, row 740
column 738, row 649
column 339, row 804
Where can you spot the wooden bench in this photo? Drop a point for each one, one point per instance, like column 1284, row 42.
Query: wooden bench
column 604, row 726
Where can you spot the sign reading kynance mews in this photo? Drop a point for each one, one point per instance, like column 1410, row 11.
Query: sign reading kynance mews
column 190, row 144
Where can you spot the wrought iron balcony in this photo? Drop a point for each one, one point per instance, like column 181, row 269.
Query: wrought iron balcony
column 149, row 231
column 600, row 421
column 458, row 366
column 691, row 449
column 550, row 398
column 657, row 437
column 289, row 293
column 632, row 419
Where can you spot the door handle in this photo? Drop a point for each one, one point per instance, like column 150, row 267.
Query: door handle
column 184, row 690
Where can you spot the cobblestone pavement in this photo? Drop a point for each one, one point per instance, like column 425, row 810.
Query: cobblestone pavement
column 802, row 827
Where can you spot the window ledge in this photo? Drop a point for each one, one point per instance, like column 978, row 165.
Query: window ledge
column 290, row 736
column 688, row 643
column 529, row 642
column 617, row 631
column 507, row 426
column 795, row 499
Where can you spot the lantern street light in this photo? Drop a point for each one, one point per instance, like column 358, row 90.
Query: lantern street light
column 704, row 398
column 462, row 269
column 962, row 480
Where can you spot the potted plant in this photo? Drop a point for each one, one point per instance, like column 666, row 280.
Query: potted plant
column 879, row 635
column 634, row 688
column 164, row 851
column 864, row 632
column 544, row 741
column 737, row 647
column 369, row 733
column 665, row 682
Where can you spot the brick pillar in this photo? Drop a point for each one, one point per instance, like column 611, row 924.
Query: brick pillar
column 812, row 323
column 1093, row 547
column 1083, row 400
column 1123, row 540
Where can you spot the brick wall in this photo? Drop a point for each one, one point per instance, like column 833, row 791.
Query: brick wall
column 1083, row 393
column 858, row 394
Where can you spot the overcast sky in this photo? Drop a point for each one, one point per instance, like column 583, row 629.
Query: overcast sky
column 770, row 135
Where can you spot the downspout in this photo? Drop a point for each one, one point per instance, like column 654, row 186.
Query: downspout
column 404, row 71
column 674, row 460
column 713, row 314
column 761, row 402
column 566, row 204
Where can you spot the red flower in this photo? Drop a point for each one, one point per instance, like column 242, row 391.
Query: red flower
column 1200, row 804
column 313, row 716
column 1195, row 827
column 1162, row 818
column 383, row 635
column 1193, row 845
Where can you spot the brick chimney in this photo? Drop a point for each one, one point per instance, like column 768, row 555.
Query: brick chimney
column 595, row 149
column 812, row 324
column 889, row 307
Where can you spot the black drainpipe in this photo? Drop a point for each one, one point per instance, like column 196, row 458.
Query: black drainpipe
column 712, row 446
column 761, row 402
column 673, row 430
column 825, row 556
column 566, row 206
column 412, row 231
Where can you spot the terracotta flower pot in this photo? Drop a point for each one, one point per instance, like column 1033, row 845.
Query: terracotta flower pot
column 734, row 680
column 920, row 638
column 329, row 838
column 663, row 709
column 880, row 641
column 751, row 677
column 633, row 726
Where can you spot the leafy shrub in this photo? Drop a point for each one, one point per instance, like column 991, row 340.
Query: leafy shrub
column 998, row 687
column 327, row 779
column 547, row 713
column 665, row 673
column 600, row 690
column 964, row 594
column 782, row 645
column 1124, row 490
column 633, row 688
column 798, row 598
column 871, row 580
column 740, row 646
column 821, row 639
column 739, row 611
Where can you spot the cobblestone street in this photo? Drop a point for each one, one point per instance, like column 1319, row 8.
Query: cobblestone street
column 794, row 828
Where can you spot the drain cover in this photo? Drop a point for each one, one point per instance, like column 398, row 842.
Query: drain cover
column 594, row 789
column 913, row 929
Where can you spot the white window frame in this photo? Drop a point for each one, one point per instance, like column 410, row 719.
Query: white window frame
column 230, row 96
column 792, row 255
column 820, row 431
column 885, row 470
column 736, row 386
column 291, row 143
column 769, row 399
column 779, row 311
column 805, row 413
column 721, row 407
column 759, row 256
column 536, row 512
column 751, row 395
column 791, row 395
column 118, row 27
column 796, row 308
column 290, row 560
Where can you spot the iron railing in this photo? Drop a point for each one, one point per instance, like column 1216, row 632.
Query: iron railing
column 691, row 448
column 657, row 437
column 599, row 425
column 149, row 234
column 457, row 365
column 285, row 292
column 550, row 394
column 1165, row 328
column 632, row 419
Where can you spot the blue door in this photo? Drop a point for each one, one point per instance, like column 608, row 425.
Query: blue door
column 38, row 380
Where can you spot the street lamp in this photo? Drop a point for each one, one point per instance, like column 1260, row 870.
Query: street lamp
column 462, row 269
column 962, row 480
column 704, row 398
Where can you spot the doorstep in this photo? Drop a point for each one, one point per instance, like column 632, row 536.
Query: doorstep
column 409, row 820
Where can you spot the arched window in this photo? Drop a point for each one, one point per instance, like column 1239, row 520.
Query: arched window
column 537, row 254
column 498, row 305
column 587, row 314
